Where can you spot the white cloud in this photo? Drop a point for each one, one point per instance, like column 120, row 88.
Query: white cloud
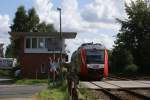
column 45, row 11
column 99, row 10
column 90, row 21
column 71, row 18
column 129, row 1
column 4, row 28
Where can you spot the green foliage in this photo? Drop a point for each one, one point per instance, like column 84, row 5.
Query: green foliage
column 25, row 22
column 43, row 95
column 146, row 56
column 8, row 52
column 20, row 20
column 133, row 36
column 1, row 50
column 120, row 59
column 43, row 27
column 131, row 69
column 33, row 20
column 58, row 93
column 13, row 49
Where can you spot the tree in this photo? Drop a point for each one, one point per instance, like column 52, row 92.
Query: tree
column 120, row 58
column 43, row 27
column 33, row 20
column 9, row 51
column 1, row 50
column 20, row 21
column 134, row 32
column 20, row 24
column 25, row 22
column 145, row 56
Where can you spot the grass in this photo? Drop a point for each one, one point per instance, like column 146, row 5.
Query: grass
column 58, row 92
column 31, row 81
column 61, row 93
column 54, row 93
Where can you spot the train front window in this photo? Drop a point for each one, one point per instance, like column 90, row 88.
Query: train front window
column 95, row 56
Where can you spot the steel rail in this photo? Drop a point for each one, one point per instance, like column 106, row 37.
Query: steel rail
column 132, row 78
column 122, row 78
column 131, row 92
column 106, row 91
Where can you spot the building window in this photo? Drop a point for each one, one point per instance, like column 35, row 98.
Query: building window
column 28, row 43
column 42, row 68
column 56, row 43
column 41, row 43
column 34, row 42
column 46, row 42
column 52, row 44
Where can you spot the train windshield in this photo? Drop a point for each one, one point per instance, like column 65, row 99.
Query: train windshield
column 95, row 56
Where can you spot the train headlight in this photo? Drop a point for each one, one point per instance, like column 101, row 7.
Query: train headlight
column 101, row 65
column 88, row 65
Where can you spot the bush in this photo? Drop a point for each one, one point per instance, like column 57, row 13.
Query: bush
column 131, row 69
column 120, row 58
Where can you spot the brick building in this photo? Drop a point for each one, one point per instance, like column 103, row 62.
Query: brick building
column 36, row 48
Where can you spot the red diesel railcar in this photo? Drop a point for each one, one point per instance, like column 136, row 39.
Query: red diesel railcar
column 90, row 61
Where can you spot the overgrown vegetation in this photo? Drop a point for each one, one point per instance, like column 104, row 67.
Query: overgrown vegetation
column 131, row 52
column 54, row 93
column 131, row 69
column 61, row 93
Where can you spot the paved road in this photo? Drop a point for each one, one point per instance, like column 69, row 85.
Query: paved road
column 19, row 92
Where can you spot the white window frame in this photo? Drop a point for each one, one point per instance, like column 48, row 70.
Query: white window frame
column 30, row 37
column 38, row 50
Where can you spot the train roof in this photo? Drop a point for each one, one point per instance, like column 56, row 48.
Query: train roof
column 92, row 45
column 89, row 46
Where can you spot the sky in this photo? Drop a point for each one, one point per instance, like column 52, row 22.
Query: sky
column 93, row 20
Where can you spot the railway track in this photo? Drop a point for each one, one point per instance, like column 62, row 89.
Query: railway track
column 121, row 93
column 130, row 77
column 123, row 78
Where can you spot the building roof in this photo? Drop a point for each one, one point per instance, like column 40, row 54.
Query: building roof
column 65, row 35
